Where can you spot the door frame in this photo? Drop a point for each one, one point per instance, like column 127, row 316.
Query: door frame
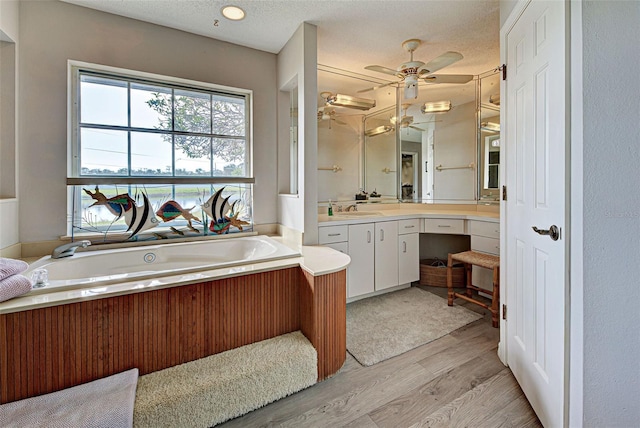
column 416, row 172
column 574, row 211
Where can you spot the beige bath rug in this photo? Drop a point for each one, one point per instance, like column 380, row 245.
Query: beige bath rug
column 382, row 327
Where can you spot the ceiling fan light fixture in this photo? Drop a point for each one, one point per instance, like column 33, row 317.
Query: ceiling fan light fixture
column 378, row 130
column 494, row 99
column 490, row 126
column 436, row 107
column 341, row 100
column 233, row 13
column 411, row 87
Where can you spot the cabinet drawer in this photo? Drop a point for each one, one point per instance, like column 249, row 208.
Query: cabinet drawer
column 444, row 225
column 484, row 228
column 485, row 245
column 408, row 226
column 343, row 247
column 327, row 235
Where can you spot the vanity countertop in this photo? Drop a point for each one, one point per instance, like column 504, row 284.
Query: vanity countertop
column 400, row 212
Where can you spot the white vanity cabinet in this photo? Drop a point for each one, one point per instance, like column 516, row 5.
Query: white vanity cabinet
column 360, row 273
column 386, row 254
column 485, row 238
column 408, row 251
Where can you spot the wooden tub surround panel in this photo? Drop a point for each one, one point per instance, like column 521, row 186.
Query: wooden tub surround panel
column 48, row 349
column 323, row 318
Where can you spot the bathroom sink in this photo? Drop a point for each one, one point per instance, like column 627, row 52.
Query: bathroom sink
column 358, row 214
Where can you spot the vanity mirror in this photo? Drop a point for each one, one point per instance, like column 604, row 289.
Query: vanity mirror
column 489, row 137
column 380, row 154
column 399, row 149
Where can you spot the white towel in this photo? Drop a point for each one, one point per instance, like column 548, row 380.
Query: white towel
column 103, row 403
column 13, row 286
column 10, row 267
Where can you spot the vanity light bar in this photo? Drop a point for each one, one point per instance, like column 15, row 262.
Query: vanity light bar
column 436, row 107
column 378, row 130
column 340, row 100
column 490, row 126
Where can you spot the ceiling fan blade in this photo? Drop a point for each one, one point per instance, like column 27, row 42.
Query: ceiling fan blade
column 381, row 69
column 416, row 128
column 442, row 61
column 339, row 122
column 449, row 78
column 375, row 87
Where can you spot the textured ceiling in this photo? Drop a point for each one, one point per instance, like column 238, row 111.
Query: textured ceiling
column 351, row 33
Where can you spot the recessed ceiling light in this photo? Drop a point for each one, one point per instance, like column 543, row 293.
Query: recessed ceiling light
column 233, row 13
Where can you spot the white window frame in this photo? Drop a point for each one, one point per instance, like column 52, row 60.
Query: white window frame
column 74, row 68
column 74, row 178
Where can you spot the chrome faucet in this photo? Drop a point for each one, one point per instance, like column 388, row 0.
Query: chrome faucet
column 68, row 250
column 354, row 206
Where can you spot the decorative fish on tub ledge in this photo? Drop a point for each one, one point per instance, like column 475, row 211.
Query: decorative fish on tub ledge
column 222, row 215
column 172, row 209
column 141, row 218
column 116, row 205
column 216, row 207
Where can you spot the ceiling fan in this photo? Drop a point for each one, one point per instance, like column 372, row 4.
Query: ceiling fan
column 327, row 113
column 407, row 121
column 410, row 72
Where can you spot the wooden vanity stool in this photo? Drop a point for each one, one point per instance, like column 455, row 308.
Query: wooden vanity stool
column 470, row 258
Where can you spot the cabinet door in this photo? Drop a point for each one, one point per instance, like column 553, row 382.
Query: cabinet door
column 360, row 273
column 386, row 254
column 408, row 258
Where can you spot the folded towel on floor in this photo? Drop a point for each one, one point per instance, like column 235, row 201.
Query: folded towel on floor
column 106, row 402
column 10, row 267
column 14, row 286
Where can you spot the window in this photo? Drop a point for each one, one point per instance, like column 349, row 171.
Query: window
column 163, row 138
column 131, row 127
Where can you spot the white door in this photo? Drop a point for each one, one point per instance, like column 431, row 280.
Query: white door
column 536, row 141
column 361, row 250
column 386, row 254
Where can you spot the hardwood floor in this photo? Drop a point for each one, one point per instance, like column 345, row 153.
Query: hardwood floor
column 454, row 381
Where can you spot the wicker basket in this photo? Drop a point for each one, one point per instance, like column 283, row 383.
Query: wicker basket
column 433, row 272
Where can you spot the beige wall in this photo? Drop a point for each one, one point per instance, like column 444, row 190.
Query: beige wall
column 298, row 60
column 9, row 218
column 53, row 32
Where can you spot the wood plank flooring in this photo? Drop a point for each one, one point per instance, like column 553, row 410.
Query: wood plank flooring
column 454, row 381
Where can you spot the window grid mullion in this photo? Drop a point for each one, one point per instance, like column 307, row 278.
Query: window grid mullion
column 211, row 138
column 129, row 127
column 160, row 131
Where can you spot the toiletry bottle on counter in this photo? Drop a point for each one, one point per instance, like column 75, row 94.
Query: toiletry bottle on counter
column 330, row 212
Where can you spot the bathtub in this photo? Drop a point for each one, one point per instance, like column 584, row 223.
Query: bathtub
column 101, row 267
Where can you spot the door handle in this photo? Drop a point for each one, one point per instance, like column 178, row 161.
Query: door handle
column 368, row 236
column 553, row 232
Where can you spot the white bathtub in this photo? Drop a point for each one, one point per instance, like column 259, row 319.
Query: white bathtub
column 92, row 268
